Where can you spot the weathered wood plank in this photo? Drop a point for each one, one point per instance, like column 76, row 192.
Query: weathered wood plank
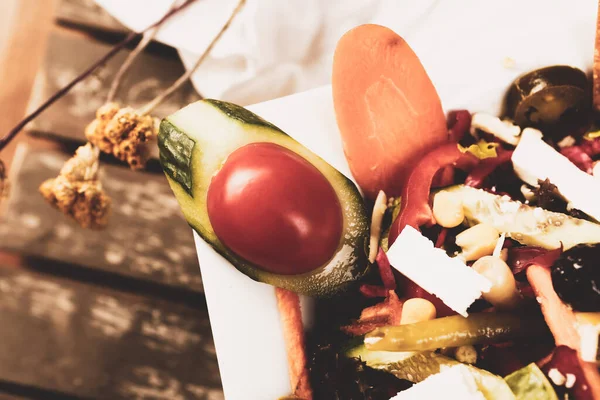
column 68, row 54
column 7, row 396
column 147, row 237
column 95, row 342
column 88, row 15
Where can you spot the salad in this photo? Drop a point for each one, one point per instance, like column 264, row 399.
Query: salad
column 465, row 263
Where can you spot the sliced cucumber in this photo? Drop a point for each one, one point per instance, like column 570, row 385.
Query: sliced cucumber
column 416, row 367
column 528, row 225
column 530, row 383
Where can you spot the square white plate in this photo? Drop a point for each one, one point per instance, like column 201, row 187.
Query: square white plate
column 470, row 69
column 472, row 50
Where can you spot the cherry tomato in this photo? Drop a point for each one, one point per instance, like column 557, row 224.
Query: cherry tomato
column 273, row 208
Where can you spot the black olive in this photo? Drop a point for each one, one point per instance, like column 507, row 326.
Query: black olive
column 576, row 277
column 555, row 100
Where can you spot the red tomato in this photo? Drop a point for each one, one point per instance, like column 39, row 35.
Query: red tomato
column 273, row 208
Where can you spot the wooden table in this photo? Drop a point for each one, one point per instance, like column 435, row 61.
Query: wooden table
column 118, row 314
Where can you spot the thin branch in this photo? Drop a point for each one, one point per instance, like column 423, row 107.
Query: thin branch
column 146, row 39
column 184, row 78
column 110, row 54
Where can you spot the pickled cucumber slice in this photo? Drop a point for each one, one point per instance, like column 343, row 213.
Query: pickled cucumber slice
column 528, row 225
column 530, row 383
column 417, row 366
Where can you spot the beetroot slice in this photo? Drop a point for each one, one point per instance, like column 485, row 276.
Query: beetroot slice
column 385, row 270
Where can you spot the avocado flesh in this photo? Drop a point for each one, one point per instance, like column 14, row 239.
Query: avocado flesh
column 194, row 143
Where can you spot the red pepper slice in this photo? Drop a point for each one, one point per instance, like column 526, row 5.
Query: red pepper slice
column 458, row 123
column 385, row 270
column 416, row 210
column 441, row 238
column 486, row 167
column 373, row 291
column 591, row 147
column 579, row 157
column 519, row 258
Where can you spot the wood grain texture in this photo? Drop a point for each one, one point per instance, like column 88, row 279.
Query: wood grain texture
column 24, row 26
column 94, row 342
column 86, row 14
column 68, row 54
column 147, row 237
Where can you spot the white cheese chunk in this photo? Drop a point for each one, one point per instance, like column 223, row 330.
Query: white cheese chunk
column 535, row 160
column 596, row 170
column 454, row 382
column 503, row 130
column 456, row 284
column 589, row 341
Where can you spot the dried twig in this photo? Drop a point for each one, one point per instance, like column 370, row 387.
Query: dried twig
column 293, row 335
column 127, row 133
column 146, row 39
column 183, row 78
column 111, row 53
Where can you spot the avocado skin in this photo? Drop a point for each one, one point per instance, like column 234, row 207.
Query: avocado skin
column 186, row 142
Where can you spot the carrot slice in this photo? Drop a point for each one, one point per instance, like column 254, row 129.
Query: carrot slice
column 293, row 334
column 560, row 320
column 387, row 109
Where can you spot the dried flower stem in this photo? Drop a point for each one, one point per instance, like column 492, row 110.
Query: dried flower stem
column 146, row 39
column 110, row 54
column 183, row 78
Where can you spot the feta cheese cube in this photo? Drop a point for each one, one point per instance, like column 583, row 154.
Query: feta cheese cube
column 534, row 160
column 456, row 284
column 454, row 382
column 503, row 130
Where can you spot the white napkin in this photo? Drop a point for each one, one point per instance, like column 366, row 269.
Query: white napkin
column 275, row 48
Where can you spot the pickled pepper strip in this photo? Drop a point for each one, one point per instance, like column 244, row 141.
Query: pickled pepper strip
column 480, row 328
column 416, row 210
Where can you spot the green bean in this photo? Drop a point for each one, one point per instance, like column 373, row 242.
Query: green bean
column 456, row 331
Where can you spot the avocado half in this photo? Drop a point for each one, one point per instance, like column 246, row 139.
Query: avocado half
column 194, row 143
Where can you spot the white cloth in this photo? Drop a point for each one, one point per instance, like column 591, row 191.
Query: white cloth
column 275, row 48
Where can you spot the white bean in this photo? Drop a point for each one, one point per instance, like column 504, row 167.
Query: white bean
column 477, row 241
column 504, row 293
column 417, row 310
column 448, row 209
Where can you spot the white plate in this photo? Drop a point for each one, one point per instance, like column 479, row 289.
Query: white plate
column 472, row 50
